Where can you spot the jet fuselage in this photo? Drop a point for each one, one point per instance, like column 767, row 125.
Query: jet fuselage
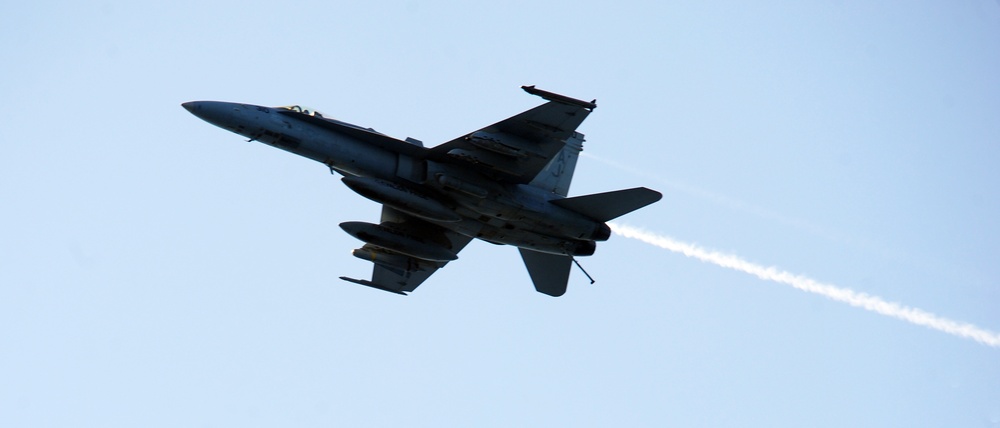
column 401, row 176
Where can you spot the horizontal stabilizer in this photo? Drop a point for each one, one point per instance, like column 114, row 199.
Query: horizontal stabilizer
column 610, row 205
column 549, row 272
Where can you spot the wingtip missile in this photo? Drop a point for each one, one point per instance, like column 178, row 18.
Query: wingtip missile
column 560, row 98
column 373, row 285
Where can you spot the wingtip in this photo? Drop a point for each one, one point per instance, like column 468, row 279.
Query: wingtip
column 552, row 96
column 373, row 285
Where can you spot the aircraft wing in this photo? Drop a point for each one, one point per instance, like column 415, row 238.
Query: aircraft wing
column 516, row 149
column 398, row 273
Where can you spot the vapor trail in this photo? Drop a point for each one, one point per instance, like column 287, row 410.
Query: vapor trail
column 738, row 205
column 853, row 298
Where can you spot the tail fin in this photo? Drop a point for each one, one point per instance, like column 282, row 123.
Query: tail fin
column 549, row 272
column 610, row 205
column 557, row 175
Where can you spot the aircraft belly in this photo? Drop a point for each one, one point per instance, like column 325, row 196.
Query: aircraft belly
column 354, row 156
column 402, row 198
column 522, row 238
column 338, row 151
column 542, row 219
column 516, row 215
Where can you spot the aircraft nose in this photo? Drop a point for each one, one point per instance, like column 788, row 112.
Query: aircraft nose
column 214, row 112
column 191, row 106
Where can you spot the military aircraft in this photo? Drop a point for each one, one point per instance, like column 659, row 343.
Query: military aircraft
column 506, row 183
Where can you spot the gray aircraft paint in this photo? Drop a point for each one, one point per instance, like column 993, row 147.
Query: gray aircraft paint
column 505, row 184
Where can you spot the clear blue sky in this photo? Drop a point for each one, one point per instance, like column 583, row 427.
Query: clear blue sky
column 158, row 271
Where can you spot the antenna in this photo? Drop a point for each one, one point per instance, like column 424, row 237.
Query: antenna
column 583, row 270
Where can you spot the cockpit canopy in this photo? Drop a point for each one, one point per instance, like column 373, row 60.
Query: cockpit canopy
column 304, row 110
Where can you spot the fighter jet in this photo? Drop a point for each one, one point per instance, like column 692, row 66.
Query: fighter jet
column 505, row 184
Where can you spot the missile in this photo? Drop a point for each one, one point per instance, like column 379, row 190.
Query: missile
column 559, row 98
column 401, row 198
column 391, row 239
column 367, row 283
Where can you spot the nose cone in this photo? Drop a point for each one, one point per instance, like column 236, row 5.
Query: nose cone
column 214, row 112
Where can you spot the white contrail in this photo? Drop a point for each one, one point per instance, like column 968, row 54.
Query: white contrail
column 853, row 298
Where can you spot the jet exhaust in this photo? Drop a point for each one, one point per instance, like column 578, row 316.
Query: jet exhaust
column 863, row 300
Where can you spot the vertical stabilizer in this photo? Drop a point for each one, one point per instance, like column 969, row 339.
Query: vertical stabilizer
column 549, row 272
column 557, row 175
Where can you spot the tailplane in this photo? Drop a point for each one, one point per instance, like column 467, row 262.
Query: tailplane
column 610, row 205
